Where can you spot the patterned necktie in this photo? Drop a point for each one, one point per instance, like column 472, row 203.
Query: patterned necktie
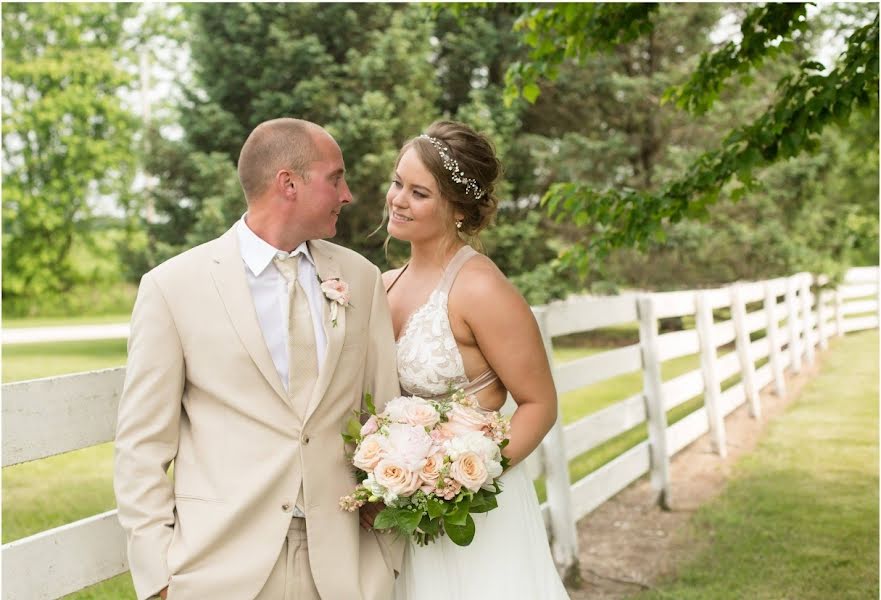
column 302, row 359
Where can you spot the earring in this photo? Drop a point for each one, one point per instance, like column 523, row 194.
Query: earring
column 459, row 224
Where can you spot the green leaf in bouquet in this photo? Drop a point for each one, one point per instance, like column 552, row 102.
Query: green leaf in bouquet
column 408, row 520
column 387, row 518
column 436, row 508
column 429, row 525
column 461, row 535
column 459, row 514
column 368, row 403
column 353, row 430
column 483, row 501
column 505, row 462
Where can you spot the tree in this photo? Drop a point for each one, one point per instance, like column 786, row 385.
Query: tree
column 361, row 70
column 67, row 141
column 807, row 101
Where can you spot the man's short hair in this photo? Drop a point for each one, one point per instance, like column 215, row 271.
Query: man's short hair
column 274, row 145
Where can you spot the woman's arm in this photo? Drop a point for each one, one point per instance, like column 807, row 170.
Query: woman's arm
column 508, row 337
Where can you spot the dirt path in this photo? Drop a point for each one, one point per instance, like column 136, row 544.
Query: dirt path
column 628, row 543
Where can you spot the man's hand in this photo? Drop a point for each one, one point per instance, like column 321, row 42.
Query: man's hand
column 164, row 593
column 369, row 512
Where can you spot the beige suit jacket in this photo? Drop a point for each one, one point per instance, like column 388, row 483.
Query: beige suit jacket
column 201, row 391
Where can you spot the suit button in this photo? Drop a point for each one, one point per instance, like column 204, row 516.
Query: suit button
column 286, row 507
column 305, row 440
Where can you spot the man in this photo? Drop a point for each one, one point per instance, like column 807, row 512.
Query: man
column 243, row 371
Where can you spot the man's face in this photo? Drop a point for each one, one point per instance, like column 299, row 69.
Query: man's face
column 325, row 191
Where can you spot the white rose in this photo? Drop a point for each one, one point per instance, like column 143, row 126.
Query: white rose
column 395, row 409
column 408, row 446
column 396, row 478
column 493, row 469
column 469, row 470
column 370, row 451
column 473, row 441
column 372, row 486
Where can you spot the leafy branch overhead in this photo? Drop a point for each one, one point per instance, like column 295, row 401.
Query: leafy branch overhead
column 766, row 31
column 806, row 103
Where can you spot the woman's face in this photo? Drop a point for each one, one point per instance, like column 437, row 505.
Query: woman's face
column 417, row 212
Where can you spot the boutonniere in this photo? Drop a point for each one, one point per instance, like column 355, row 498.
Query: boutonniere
column 337, row 291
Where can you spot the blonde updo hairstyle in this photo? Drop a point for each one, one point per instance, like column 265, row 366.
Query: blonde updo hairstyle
column 477, row 160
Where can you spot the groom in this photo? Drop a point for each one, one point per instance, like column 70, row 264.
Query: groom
column 243, row 370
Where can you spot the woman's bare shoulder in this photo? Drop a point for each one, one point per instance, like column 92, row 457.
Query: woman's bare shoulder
column 481, row 278
column 389, row 276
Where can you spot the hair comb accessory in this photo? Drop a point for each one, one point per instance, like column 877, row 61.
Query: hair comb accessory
column 456, row 174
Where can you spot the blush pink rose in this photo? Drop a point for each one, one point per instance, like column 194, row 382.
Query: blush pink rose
column 370, row 451
column 462, row 419
column 441, row 434
column 396, row 478
column 336, row 290
column 431, row 472
column 370, row 426
column 420, row 413
column 469, row 470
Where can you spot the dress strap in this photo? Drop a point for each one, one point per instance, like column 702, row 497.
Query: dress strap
column 484, row 380
column 401, row 272
column 459, row 259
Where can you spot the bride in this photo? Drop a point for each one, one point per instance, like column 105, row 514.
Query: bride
column 460, row 324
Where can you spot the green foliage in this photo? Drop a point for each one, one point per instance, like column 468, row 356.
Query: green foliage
column 520, row 247
column 767, row 30
column 806, row 103
column 571, row 31
column 362, row 71
column 67, row 143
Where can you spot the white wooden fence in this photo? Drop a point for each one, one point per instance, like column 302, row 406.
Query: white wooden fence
column 49, row 416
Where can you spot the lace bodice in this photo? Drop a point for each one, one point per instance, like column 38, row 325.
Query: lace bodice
column 429, row 362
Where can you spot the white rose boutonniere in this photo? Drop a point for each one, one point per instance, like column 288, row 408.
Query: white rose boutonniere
column 337, row 291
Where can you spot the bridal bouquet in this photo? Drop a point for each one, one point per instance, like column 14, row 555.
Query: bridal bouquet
column 433, row 463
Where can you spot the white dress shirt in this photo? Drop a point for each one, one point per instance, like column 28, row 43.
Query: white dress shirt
column 269, row 290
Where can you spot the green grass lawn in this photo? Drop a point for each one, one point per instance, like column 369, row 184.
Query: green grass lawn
column 29, row 361
column 19, row 323
column 800, row 518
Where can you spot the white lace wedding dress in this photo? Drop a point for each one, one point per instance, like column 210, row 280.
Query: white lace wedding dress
column 509, row 558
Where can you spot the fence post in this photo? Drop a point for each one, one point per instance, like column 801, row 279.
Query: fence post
column 744, row 351
column 712, row 387
column 822, row 295
column 654, row 399
column 774, row 342
column 792, row 320
column 807, row 317
column 839, row 313
column 564, row 536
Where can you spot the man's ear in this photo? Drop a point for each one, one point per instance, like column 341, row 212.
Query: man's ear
column 286, row 183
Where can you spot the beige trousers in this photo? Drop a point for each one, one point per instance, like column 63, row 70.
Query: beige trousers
column 291, row 577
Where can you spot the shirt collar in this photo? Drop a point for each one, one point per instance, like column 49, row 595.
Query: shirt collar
column 257, row 253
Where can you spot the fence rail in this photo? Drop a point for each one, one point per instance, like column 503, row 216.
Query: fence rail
column 49, row 416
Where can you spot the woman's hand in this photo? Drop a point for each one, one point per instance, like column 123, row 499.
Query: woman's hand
column 368, row 514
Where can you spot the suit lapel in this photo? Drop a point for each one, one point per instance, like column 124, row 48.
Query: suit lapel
column 228, row 273
column 327, row 269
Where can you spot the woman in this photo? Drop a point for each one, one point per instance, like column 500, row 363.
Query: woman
column 459, row 323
